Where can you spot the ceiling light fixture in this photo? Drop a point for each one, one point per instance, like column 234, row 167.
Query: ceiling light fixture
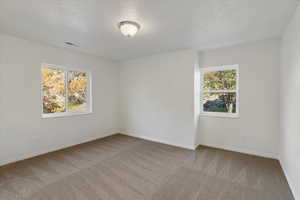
column 129, row 28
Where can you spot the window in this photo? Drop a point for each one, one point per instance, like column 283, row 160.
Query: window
column 65, row 92
column 219, row 91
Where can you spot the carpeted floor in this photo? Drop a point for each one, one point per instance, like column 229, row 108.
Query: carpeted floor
column 124, row 168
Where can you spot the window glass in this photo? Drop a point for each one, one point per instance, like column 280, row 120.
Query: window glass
column 219, row 102
column 64, row 92
column 53, row 89
column 219, row 80
column 77, row 91
column 219, row 91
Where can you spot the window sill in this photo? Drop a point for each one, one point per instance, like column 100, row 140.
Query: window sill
column 220, row 115
column 68, row 114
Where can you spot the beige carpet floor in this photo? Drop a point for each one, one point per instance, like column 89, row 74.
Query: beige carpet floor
column 124, row 168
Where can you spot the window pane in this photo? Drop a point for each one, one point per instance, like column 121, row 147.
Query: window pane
column 77, row 91
column 220, row 80
column 219, row 102
column 53, row 87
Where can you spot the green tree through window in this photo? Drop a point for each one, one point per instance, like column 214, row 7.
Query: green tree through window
column 219, row 89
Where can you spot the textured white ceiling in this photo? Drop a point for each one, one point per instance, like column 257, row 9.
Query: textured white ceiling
column 166, row 24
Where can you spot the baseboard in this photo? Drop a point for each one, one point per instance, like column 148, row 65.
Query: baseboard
column 292, row 187
column 243, row 150
column 159, row 141
column 38, row 153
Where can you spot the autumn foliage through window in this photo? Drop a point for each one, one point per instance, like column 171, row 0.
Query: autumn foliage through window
column 77, row 91
column 64, row 91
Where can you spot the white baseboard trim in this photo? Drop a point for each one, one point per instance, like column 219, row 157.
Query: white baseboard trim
column 242, row 150
column 159, row 141
column 34, row 154
column 293, row 188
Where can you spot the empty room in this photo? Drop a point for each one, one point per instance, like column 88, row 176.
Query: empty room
column 149, row 100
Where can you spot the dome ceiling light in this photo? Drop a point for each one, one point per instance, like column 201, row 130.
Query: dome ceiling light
column 129, row 28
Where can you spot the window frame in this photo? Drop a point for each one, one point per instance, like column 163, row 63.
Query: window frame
column 213, row 69
column 67, row 113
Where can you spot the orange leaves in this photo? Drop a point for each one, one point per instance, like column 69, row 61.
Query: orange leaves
column 77, row 89
column 77, row 82
column 54, row 89
column 53, row 81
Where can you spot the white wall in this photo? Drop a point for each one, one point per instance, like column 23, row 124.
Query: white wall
column 157, row 95
column 23, row 132
column 290, row 104
column 256, row 131
column 159, row 100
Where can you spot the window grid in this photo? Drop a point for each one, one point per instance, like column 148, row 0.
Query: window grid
column 66, row 79
column 203, row 92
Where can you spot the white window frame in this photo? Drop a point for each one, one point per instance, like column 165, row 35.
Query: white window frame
column 89, row 92
column 213, row 69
